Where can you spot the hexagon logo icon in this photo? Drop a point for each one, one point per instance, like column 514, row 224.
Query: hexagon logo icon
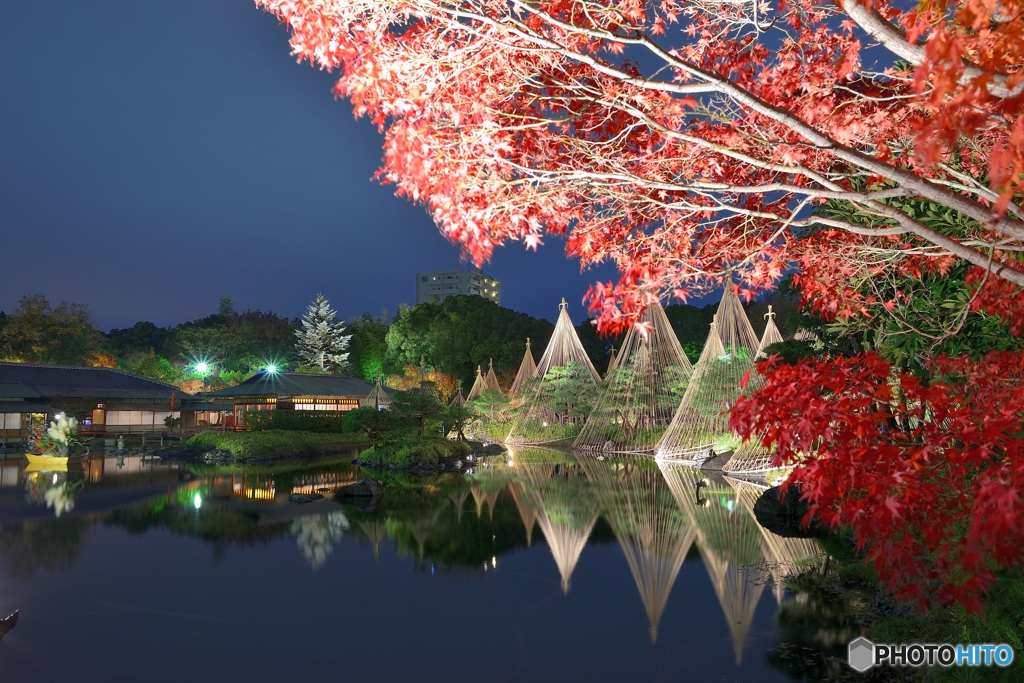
column 862, row 654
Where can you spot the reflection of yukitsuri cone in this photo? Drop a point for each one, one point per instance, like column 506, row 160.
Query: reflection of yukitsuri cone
column 701, row 421
column 376, row 530
column 316, row 534
column 481, row 496
column 527, row 417
column 459, row 499
column 738, row 593
column 784, row 554
column 526, row 513
column 639, row 396
column 654, row 534
column 729, row 542
column 565, row 512
column 420, row 529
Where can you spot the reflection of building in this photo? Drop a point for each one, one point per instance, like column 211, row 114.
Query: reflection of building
column 115, row 401
column 446, row 283
column 297, row 391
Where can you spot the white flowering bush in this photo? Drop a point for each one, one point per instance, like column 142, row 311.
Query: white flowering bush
column 61, row 434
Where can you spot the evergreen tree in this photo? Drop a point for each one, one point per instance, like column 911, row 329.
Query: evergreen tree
column 321, row 342
column 224, row 307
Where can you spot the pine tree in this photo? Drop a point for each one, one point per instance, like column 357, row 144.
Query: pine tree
column 321, row 342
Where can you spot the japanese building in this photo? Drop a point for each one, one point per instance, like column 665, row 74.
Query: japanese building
column 109, row 400
column 296, row 391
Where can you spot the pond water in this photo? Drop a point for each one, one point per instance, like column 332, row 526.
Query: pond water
column 535, row 566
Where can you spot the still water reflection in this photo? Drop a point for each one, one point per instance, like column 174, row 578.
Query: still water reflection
column 527, row 568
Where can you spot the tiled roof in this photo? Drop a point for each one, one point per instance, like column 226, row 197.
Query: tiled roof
column 70, row 381
column 16, row 390
column 297, row 384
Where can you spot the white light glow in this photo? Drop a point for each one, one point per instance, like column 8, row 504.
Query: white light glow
column 198, row 502
column 271, row 368
column 202, row 367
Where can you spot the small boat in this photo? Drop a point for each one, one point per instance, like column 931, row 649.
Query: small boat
column 7, row 624
column 40, row 462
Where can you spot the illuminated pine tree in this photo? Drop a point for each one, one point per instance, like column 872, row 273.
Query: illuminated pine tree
column 321, row 341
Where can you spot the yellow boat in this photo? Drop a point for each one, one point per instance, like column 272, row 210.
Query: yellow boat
column 40, row 462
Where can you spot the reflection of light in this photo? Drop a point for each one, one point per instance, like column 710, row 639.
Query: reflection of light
column 545, row 424
column 494, row 562
column 55, row 479
column 198, row 502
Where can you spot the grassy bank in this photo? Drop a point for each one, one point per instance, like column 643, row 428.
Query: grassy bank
column 409, row 451
column 276, row 442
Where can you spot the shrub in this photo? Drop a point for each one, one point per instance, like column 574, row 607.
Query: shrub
column 272, row 442
column 301, row 421
column 406, row 451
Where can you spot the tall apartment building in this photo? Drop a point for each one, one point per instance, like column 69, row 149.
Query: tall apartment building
column 445, row 283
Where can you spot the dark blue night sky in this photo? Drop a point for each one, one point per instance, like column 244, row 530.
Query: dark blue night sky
column 154, row 155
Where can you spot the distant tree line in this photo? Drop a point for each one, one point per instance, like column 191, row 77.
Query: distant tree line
column 451, row 337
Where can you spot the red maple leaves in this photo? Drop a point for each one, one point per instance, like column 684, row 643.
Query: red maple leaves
column 696, row 162
column 928, row 474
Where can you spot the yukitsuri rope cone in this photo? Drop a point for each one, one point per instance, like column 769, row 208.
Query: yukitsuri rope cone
column 750, row 456
column 458, row 401
column 555, row 488
column 771, row 333
column 549, row 407
column 729, row 541
column 701, row 421
column 640, row 394
column 377, row 398
column 785, row 556
column 527, row 371
column 654, row 533
column 613, row 361
column 490, row 379
column 478, row 385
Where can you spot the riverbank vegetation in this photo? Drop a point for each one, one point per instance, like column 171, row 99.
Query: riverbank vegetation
column 276, row 442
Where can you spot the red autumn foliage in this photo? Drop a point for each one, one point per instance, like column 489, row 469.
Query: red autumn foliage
column 928, row 474
column 684, row 140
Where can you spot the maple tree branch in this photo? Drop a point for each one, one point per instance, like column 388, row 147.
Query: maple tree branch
column 921, row 186
column 896, row 40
